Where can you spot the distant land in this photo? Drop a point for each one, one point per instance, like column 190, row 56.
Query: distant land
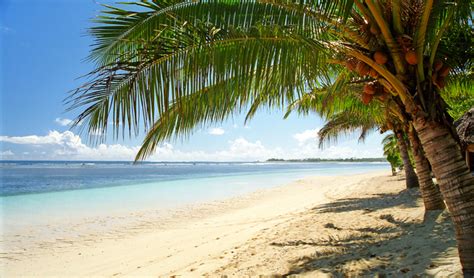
column 379, row 159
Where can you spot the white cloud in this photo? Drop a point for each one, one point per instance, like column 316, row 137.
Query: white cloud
column 312, row 150
column 240, row 148
column 6, row 153
column 216, row 131
column 53, row 137
column 63, row 122
column 69, row 146
column 305, row 136
column 308, row 146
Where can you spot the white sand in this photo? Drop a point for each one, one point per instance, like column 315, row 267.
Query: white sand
column 356, row 225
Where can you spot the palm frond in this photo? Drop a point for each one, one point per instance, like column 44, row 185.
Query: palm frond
column 459, row 94
column 347, row 122
column 155, row 60
column 121, row 33
column 135, row 93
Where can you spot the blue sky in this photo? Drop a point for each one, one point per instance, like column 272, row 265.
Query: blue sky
column 43, row 45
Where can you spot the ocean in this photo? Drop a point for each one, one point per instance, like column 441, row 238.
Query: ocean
column 32, row 191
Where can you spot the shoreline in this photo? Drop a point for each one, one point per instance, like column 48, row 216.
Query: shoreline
column 234, row 236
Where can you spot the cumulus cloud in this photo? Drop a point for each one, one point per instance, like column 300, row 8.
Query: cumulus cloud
column 216, row 131
column 242, row 149
column 350, row 148
column 69, row 146
column 7, row 153
column 344, row 151
column 63, row 122
column 305, row 136
column 53, row 137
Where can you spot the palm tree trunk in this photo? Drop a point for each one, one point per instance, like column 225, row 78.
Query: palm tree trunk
column 429, row 191
column 394, row 171
column 411, row 178
column 455, row 182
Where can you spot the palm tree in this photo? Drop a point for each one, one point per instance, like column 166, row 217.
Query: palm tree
column 346, row 122
column 366, row 118
column 403, row 146
column 391, row 151
column 233, row 53
column 430, row 192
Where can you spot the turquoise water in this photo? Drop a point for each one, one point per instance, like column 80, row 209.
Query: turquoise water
column 33, row 192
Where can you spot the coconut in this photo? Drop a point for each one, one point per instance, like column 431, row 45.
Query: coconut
column 351, row 64
column 366, row 98
column 434, row 77
column 374, row 30
column 380, row 57
column 370, row 88
column 373, row 73
column 444, row 71
column 362, row 68
column 438, row 64
column 383, row 96
column 411, row 57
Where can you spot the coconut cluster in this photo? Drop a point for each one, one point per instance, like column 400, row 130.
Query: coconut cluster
column 372, row 89
column 406, row 44
column 440, row 71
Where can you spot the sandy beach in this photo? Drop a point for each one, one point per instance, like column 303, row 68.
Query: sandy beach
column 355, row 225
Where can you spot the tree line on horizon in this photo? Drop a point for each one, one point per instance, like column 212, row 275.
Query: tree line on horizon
column 375, row 159
column 405, row 66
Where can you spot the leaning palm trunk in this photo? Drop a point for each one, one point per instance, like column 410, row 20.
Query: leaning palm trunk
column 411, row 178
column 429, row 191
column 455, row 182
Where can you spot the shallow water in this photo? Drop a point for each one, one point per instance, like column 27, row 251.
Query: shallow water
column 35, row 192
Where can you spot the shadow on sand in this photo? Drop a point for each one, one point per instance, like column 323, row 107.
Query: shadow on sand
column 406, row 198
column 402, row 248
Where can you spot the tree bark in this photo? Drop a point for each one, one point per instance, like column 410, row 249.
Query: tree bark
column 455, row 182
column 411, row 178
column 429, row 191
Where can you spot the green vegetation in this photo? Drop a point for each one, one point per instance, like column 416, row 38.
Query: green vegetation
column 391, row 152
column 459, row 95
